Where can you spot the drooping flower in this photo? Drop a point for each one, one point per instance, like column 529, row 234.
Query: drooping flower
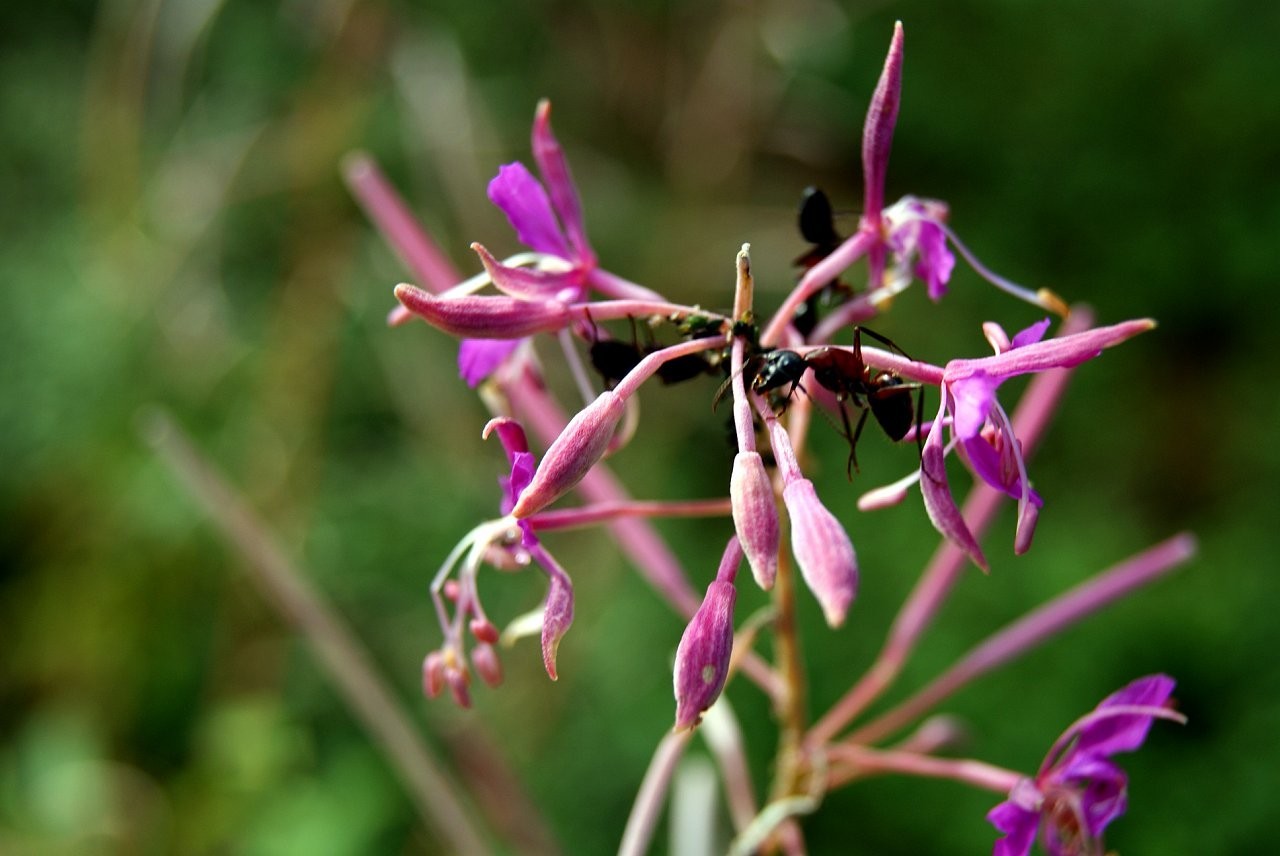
column 982, row 429
column 1078, row 790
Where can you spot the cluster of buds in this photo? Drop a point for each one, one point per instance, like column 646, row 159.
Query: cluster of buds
column 774, row 373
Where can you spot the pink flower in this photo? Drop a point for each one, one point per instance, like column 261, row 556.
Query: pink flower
column 702, row 658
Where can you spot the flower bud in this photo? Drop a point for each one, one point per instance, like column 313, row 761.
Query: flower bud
column 483, row 630
column 557, row 615
column 479, row 316
column 580, row 445
column 485, row 659
column 822, row 549
column 755, row 516
column 702, row 658
column 433, row 674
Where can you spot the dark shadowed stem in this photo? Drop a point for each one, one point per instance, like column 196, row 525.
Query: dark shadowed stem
column 339, row 653
column 1030, row 421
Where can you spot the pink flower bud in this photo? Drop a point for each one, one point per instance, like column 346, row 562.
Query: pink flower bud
column 557, row 615
column 485, row 317
column 702, row 658
column 823, row 550
column 433, row 674
column 483, row 630
column 755, row 516
column 580, row 445
column 485, row 659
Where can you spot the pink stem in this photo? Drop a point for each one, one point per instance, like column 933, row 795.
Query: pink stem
column 1034, row 628
column 858, row 761
column 814, row 279
column 568, row 518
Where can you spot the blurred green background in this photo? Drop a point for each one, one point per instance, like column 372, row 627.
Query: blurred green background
column 175, row 233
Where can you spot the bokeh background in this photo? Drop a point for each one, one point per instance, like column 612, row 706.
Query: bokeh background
column 176, row 235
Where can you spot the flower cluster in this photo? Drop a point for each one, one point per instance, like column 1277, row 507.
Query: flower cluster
column 774, row 374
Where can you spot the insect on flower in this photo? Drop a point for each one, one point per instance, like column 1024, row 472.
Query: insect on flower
column 844, row 373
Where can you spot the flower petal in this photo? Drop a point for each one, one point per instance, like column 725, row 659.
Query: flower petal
column 479, row 358
column 523, row 199
column 942, row 510
column 1019, row 826
column 479, row 316
column 530, row 283
column 1109, row 735
column 564, row 193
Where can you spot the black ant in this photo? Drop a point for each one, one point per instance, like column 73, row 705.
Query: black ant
column 614, row 358
column 817, row 226
column 845, row 374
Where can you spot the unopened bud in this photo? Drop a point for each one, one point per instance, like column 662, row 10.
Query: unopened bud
column 433, row 674
column 484, row 658
column 483, row 630
column 755, row 516
column 823, row 551
column 702, row 658
column 580, row 445
column 477, row 316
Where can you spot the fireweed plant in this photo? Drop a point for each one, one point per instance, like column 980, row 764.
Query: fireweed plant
column 775, row 373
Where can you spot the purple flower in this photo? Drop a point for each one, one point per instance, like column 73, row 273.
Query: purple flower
column 982, row 430
column 1078, row 790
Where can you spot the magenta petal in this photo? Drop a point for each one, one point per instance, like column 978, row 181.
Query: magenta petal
column 942, row 510
column 1019, row 826
column 935, row 262
column 1103, row 789
column 972, row 397
column 564, row 193
column 1030, row 335
column 479, row 358
column 1109, row 735
column 986, row 464
column 523, row 199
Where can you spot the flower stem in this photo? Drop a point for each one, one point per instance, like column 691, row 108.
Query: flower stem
column 1034, row 628
column 854, row 762
column 603, row 512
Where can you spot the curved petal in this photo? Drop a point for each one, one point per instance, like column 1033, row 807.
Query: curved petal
column 1125, row 733
column 564, row 193
column 942, row 510
column 523, row 199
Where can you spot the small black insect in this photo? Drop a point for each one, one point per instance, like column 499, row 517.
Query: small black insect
column 613, row 359
column 818, row 227
column 881, row 394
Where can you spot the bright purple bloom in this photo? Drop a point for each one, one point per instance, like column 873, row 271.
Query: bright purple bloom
column 1078, row 790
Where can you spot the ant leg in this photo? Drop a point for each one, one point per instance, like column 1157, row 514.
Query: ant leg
column 853, row 444
column 884, row 340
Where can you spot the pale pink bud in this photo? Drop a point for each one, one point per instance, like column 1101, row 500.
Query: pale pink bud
column 1026, row 528
column 459, row 681
column 485, row 659
column 476, row 316
column 433, row 674
column 702, row 658
column 823, row 550
column 580, row 445
column 755, row 516
column 557, row 615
